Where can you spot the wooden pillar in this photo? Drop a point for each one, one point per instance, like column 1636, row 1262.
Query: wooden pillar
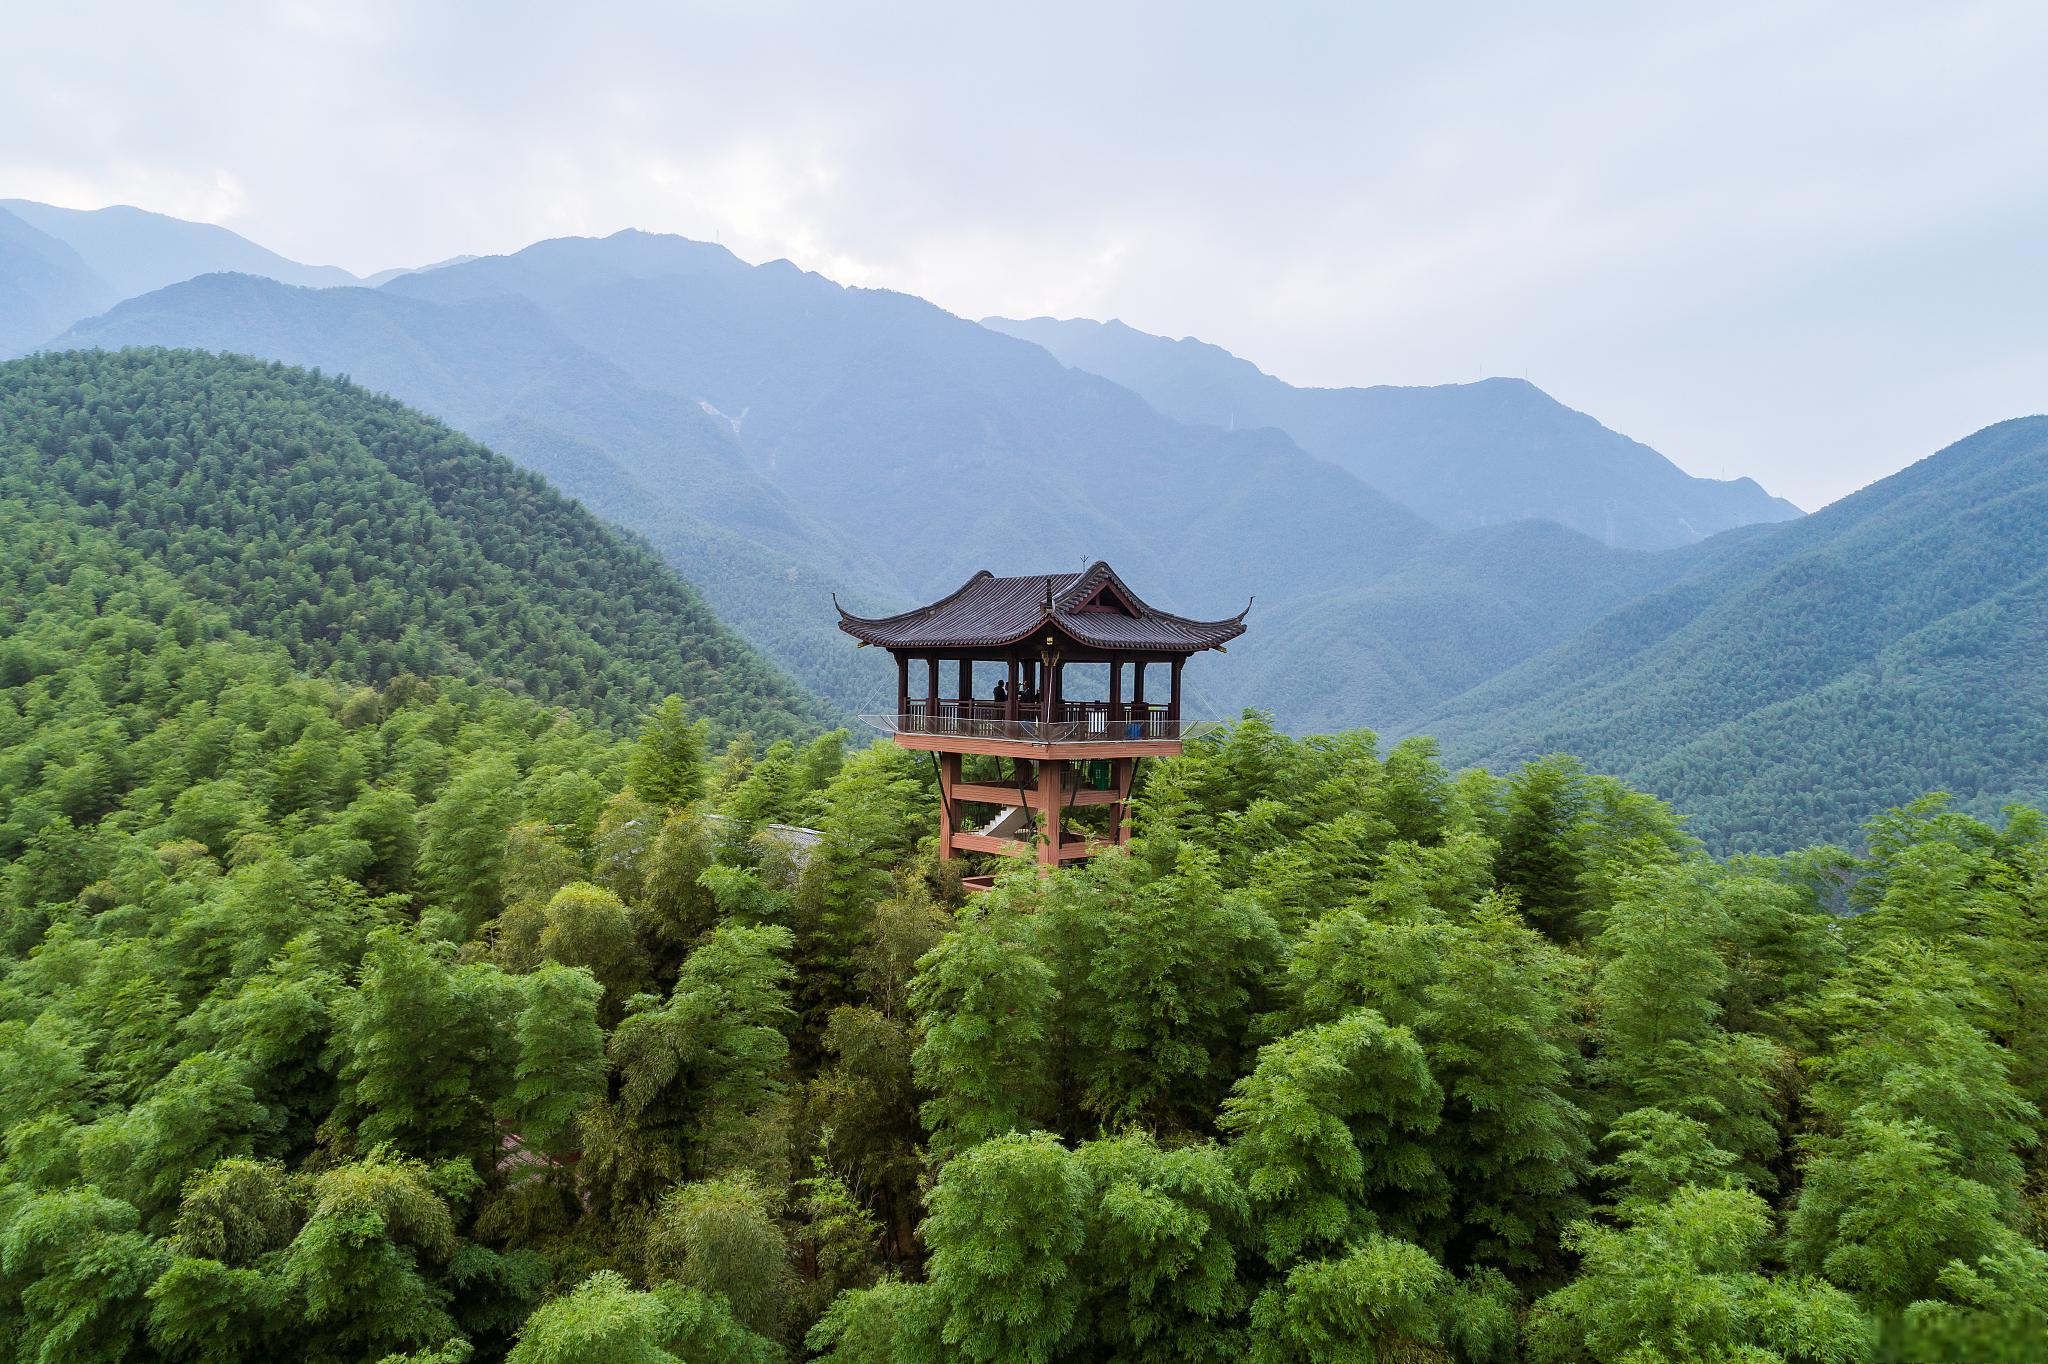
column 1138, row 683
column 1051, row 775
column 949, row 777
column 1173, row 700
column 902, row 684
column 931, row 686
column 966, row 680
column 1123, row 773
column 1010, row 706
column 1116, row 690
column 1055, row 675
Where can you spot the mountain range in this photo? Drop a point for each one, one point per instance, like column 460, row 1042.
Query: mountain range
column 778, row 436
column 1891, row 644
column 1461, row 455
column 1475, row 561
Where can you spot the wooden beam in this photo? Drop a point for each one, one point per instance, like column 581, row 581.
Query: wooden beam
column 985, row 793
column 968, row 841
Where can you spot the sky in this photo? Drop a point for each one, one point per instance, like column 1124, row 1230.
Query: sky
column 1805, row 242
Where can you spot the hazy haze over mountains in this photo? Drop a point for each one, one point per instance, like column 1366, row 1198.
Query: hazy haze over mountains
column 133, row 250
column 779, row 436
column 1460, row 455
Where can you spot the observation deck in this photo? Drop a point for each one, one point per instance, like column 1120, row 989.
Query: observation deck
column 1063, row 754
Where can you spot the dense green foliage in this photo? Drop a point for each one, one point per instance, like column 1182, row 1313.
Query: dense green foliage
column 367, row 540
column 424, row 1022
column 414, row 1019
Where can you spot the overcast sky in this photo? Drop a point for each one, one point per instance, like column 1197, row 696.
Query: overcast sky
column 1805, row 242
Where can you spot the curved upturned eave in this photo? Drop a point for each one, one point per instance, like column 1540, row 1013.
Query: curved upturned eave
column 900, row 631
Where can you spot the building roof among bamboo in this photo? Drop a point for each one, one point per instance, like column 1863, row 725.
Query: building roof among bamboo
column 1093, row 607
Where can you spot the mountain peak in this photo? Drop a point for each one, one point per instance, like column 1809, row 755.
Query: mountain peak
column 1461, row 455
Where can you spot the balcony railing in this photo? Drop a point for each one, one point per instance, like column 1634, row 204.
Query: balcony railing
column 1078, row 722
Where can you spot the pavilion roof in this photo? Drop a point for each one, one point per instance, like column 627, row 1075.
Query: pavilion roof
column 1093, row 607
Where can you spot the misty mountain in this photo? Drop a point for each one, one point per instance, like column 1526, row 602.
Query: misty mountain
column 1890, row 644
column 1460, row 455
column 875, row 409
column 44, row 286
column 777, row 437
column 134, row 251
column 386, row 276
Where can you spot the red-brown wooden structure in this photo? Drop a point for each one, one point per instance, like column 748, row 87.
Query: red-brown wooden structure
column 1030, row 628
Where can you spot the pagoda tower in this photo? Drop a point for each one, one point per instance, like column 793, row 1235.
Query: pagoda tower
column 1052, row 752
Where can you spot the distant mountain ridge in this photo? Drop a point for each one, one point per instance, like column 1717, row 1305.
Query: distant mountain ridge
column 1460, row 455
column 888, row 449
column 136, row 251
column 1893, row 643
column 45, row 286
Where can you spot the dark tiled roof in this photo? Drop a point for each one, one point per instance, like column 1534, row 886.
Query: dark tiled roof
column 988, row 612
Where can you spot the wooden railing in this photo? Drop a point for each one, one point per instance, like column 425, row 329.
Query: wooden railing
column 1079, row 722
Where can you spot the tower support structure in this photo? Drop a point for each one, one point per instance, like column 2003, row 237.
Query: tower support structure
column 1048, row 744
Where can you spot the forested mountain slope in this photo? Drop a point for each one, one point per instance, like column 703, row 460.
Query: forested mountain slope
column 368, row 540
column 1461, row 455
column 1889, row 644
column 499, row 369
column 135, row 251
column 1384, row 652
column 778, row 437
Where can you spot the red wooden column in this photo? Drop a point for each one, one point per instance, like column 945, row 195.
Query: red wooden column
column 1116, row 690
column 949, row 777
column 931, row 687
column 1173, row 700
column 1138, row 691
column 966, row 682
column 1123, row 773
column 902, row 685
column 1010, row 704
column 1051, row 774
